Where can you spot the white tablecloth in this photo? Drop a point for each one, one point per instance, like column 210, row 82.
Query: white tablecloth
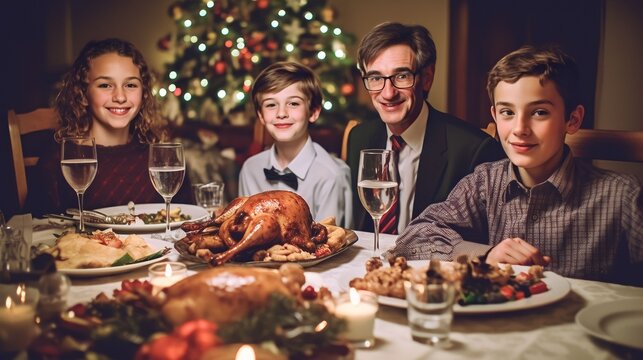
column 546, row 332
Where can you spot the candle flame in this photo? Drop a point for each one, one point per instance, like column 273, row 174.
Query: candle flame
column 321, row 326
column 354, row 295
column 168, row 270
column 246, row 352
column 8, row 303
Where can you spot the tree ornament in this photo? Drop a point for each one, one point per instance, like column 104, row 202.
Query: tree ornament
column 293, row 31
column 165, row 42
column 347, row 89
column 262, row 4
column 220, row 67
column 328, row 14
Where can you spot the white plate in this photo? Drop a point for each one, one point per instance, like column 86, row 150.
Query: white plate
column 619, row 321
column 196, row 213
column 154, row 243
column 558, row 288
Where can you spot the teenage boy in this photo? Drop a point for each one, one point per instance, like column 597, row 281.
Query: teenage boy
column 287, row 98
column 539, row 206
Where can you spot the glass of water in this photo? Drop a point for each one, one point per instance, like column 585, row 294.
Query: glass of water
column 167, row 168
column 430, row 310
column 210, row 197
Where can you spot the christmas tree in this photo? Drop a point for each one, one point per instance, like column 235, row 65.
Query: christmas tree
column 222, row 45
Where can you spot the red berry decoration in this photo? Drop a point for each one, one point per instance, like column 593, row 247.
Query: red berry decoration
column 309, row 293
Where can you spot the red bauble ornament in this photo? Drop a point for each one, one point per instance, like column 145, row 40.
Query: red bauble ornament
column 219, row 67
column 271, row 45
column 164, row 42
column 262, row 4
column 347, row 89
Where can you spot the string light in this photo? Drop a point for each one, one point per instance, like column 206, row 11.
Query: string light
column 172, row 75
column 171, row 87
column 203, row 12
column 281, row 12
column 187, row 23
column 234, row 52
column 328, row 105
column 225, row 31
column 239, row 95
column 289, row 47
column 337, row 31
column 204, row 82
column 187, row 96
column 321, row 55
column 340, row 54
column 221, row 94
column 255, row 58
column 210, row 4
column 274, row 23
column 323, row 29
column 194, row 39
column 308, row 15
column 162, row 92
column 202, row 47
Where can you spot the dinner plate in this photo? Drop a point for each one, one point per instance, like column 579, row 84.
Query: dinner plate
column 351, row 238
column 619, row 321
column 558, row 287
column 196, row 213
column 112, row 270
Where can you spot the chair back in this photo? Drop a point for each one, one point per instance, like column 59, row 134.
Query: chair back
column 347, row 130
column 614, row 145
column 20, row 125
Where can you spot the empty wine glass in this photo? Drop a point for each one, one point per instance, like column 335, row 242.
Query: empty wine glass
column 377, row 186
column 167, row 169
column 79, row 165
column 210, row 197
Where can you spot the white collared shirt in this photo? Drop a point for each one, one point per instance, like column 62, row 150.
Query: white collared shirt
column 324, row 181
column 409, row 159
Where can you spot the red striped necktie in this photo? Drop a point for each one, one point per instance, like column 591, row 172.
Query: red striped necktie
column 388, row 222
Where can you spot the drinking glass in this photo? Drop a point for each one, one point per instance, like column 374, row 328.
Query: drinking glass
column 210, row 197
column 430, row 310
column 79, row 165
column 167, row 169
column 377, row 186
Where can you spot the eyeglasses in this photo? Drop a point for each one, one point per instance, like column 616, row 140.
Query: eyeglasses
column 402, row 80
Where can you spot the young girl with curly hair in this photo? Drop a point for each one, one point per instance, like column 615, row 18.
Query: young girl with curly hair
column 107, row 94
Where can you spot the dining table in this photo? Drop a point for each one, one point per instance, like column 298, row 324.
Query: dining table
column 544, row 332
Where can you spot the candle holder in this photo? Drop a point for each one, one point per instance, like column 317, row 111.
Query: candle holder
column 17, row 317
column 166, row 274
column 358, row 308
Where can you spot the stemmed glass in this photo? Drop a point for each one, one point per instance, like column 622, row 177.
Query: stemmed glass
column 377, row 185
column 79, row 165
column 167, row 169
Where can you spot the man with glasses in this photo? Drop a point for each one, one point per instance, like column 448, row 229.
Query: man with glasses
column 435, row 150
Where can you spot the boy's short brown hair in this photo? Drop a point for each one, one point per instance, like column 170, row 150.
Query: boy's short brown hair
column 280, row 75
column 547, row 63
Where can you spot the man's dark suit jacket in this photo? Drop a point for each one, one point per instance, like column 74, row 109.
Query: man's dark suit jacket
column 452, row 149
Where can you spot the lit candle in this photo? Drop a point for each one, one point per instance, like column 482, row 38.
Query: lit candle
column 246, row 352
column 17, row 323
column 358, row 309
column 166, row 274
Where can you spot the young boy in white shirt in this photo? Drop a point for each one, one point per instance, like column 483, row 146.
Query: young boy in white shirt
column 287, row 98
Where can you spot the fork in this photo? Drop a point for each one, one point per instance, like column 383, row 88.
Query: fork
column 93, row 214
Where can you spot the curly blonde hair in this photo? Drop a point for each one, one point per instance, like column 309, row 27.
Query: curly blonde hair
column 73, row 107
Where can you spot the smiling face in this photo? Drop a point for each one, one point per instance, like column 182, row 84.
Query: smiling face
column 115, row 94
column 531, row 124
column 286, row 115
column 398, row 108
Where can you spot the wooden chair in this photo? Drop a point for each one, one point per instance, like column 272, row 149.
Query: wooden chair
column 614, row 145
column 347, row 130
column 20, row 125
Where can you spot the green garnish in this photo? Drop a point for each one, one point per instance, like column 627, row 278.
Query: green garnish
column 127, row 259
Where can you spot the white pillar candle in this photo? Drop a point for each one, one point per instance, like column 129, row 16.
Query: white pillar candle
column 358, row 309
column 166, row 274
column 17, row 326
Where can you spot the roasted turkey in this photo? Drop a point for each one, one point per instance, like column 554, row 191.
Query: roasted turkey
column 227, row 294
column 256, row 222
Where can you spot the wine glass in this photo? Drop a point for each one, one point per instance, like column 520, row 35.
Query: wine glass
column 167, row 169
column 377, row 185
column 79, row 165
